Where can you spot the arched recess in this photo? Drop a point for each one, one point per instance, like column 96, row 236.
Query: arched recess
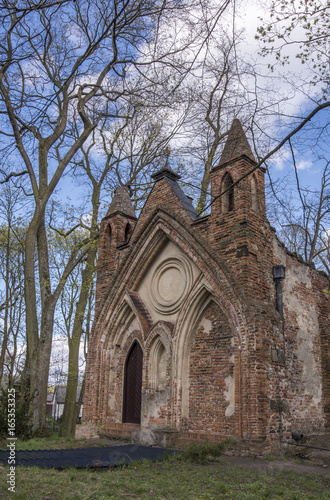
column 159, row 350
column 133, row 385
column 117, row 340
column 128, row 230
column 227, row 199
column 157, row 365
column 119, row 330
column 200, row 302
column 254, row 194
column 120, row 325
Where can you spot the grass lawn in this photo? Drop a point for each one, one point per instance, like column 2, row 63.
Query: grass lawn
column 167, row 480
column 172, row 479
column 52, row 443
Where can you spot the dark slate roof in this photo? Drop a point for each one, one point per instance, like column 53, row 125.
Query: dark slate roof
column 172, row 177
column 183, row 198
column 237, row 144
column 121, row 202
column 167, row 172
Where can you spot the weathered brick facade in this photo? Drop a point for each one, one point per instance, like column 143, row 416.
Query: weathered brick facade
column 199, row 297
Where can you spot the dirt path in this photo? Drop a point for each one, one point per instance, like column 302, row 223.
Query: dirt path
column 276, row 466
column 315, row 466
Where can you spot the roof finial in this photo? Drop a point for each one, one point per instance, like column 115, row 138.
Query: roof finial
column 167, row 153
column 166, row 170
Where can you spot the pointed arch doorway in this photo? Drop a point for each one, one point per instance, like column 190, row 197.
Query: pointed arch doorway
column 133, row 385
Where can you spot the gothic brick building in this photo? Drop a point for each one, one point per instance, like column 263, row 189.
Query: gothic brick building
column 206, row 326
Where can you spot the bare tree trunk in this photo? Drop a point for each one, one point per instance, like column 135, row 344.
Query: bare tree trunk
column 207, row 172
column 32, row 336
column 39, row 345
column 39, row 376
column 5, row 320
column 80, row 400
column 69, row 417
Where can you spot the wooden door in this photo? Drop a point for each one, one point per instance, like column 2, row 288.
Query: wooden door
column 133, row 385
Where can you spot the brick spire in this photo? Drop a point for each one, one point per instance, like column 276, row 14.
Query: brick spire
column 237, row 144
column 121, row 202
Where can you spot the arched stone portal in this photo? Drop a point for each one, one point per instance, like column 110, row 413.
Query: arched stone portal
column 133, row 385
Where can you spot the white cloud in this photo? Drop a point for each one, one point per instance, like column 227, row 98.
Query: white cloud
column 280, row 159
column 304, row 164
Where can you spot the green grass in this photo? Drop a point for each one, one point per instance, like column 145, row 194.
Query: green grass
column 202, row 453
column 50, row 443
column 173, row 480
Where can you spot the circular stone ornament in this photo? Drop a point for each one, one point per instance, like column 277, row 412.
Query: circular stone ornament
column 169, row 284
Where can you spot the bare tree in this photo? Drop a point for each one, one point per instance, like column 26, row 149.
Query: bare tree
column 12, row 233
column 302, row 217
column 120, row 154
column 66, row 67
column 215, row 93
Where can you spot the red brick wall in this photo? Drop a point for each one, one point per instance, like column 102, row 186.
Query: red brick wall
column 211, row 363
column 112, row 249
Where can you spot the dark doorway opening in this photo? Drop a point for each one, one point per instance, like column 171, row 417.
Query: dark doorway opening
column 133, row 385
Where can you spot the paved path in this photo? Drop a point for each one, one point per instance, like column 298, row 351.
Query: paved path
column 86, row 457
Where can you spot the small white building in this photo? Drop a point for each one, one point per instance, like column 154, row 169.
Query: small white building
column 59, row 399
